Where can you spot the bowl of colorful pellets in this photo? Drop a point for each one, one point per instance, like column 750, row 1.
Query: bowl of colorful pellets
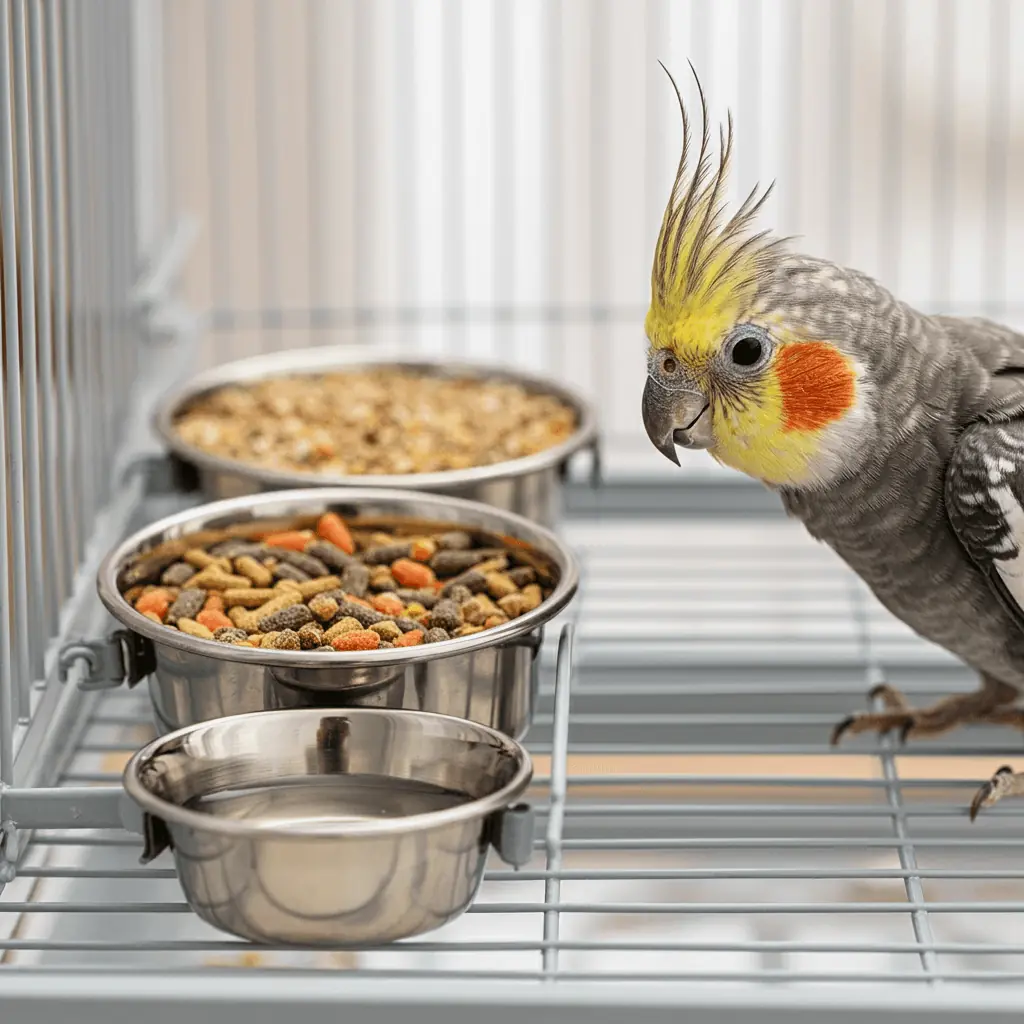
column 331, row 417
column 338, row 597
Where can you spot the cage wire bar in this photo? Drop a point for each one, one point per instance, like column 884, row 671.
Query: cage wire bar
column 183, row 183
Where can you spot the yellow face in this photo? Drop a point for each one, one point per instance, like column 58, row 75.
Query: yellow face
column 775, row 403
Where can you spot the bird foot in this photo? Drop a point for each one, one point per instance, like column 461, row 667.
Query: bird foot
column 984, row 705
column 1004, row 783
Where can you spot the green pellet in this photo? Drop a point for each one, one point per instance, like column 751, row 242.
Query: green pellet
column 355, row 579
column 446, row 615
column 187, row 605
column 330, row 554
column 286, row 640
column 291, row 618
column 177, row 575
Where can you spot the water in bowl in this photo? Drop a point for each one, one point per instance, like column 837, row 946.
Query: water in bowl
column 325, row 800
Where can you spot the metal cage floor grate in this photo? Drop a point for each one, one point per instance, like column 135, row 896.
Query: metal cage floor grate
column 707, row 833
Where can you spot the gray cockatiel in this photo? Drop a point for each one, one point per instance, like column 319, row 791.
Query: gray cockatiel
column 896, row 438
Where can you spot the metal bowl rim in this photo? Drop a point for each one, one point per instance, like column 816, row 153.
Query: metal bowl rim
column 291, row 362
column 496, row 636
column 377, row 828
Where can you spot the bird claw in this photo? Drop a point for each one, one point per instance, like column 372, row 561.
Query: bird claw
column 841, row 728
column 992, row 791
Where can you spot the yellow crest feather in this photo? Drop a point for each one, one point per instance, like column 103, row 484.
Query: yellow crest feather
column 704, row 274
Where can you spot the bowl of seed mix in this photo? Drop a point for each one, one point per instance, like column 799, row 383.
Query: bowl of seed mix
column 331, row 417
column 339, row 597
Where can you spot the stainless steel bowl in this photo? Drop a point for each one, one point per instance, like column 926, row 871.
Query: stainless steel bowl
column 530, row 486
column 488, row 677
column 329, row 828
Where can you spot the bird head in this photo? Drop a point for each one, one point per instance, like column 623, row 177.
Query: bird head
column 750, row 355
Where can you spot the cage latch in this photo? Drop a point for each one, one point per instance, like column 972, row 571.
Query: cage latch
column 121, row 657
column 513, row 835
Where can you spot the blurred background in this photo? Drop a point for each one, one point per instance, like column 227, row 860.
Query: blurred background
column 488, row 177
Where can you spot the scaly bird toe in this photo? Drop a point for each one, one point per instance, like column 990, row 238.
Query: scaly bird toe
column 1003, row 783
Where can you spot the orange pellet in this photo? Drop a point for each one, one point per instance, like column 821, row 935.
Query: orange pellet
column 356, row 640
column 422, row 550
column 332, row 528
column 357, row 600
column 214, row 603
column 388, row 604
column 412, row 574
column 213, row 619
column 294, row 540
column 155, row 601
column 411, row 639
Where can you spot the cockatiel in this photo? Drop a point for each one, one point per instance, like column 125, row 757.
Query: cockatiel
column 896, row 438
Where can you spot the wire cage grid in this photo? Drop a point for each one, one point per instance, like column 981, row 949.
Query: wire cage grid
column 700, row 848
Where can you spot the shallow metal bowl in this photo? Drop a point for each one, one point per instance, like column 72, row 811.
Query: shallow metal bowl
column 530, row 486
column 488, row 677
column 330, row 828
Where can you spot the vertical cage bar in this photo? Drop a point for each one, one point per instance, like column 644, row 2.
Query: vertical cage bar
column 454, row 170
column 53, row 528
column 942, row 157
column 793, row 64
column 55, row 121
column 83, row 445
column 266, row 175
column 748, row 134
column 505, row 192
column 908, row 858
column 218, row 156
column 8, row 700
column 840, row 29
column 37, row 594
column 404, row 127
column 553, row 182
column 13, row 356
column 556, row 813
column 315, row 124
column 997, row 131
column 600, row 240
column 890, row 205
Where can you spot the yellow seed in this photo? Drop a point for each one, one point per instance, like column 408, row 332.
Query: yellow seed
column 468, row 630
column 255, row 638
column 499, row 585
column 215, row 578
column 513, row 606
column 153, row 617
column 386, row 630
column 194, row 628
column 477, row 609
column 497, row 564
column 283, row 600
column 203, row 560
column 532, row 596
column 260, row 575
column 287, row 585
column 249, row 598
column 314, row 587
column 345, row 625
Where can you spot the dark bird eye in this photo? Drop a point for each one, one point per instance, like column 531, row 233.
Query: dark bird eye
column 746, row 351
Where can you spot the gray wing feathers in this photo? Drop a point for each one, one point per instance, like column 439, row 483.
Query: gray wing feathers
column 984, row 492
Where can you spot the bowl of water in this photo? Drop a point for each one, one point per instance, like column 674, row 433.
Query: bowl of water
column 336, row 827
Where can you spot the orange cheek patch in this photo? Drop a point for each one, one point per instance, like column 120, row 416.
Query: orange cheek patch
column 817, row 385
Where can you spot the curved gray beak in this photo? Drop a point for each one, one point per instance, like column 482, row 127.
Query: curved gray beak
column 675, row 417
